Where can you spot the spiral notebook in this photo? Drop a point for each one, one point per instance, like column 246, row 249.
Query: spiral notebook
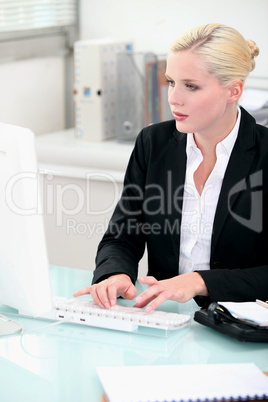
column 184, row 383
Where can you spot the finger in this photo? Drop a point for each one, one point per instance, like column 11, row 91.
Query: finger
column 147, row 295
column 95, row 297
column 112, row 295
column 157, row 301
column 148, row 280
column 179, row 295
column 102, row 294
column 131, row 292
column 144, row 302
column 83, row 291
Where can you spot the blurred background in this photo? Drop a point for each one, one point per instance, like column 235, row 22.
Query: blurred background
column 37, row 40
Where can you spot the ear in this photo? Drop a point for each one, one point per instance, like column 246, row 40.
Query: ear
column 235, row 91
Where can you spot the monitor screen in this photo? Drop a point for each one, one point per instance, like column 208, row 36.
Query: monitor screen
column 24, row 270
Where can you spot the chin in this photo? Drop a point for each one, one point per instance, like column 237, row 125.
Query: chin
column 183, row 127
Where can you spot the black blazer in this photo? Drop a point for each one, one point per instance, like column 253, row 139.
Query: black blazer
column 149, row 212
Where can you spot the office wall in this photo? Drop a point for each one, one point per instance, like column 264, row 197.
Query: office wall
column 32, row 94
column 153, row 24
column 32, row 91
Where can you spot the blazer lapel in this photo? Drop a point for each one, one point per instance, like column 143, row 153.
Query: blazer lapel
column 237, row 171
column 175, row 168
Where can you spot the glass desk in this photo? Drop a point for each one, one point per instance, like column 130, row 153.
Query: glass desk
column 58, row 362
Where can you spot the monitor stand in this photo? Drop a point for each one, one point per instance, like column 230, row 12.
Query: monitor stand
column 9, row 327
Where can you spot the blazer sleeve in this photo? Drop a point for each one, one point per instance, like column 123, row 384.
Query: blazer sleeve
column 123, row 244
column 237, row 285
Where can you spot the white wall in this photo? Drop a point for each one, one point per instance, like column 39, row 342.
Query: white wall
column 32, row 91
column 32, row 94
column 153, row 24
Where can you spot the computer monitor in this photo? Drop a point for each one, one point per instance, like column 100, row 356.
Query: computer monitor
column 24, row 270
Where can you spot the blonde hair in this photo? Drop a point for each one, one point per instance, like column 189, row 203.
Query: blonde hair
column 227, row 54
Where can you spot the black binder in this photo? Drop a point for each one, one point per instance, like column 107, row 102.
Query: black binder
column 220, row 319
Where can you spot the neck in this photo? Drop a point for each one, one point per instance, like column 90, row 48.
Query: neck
column 207, row 141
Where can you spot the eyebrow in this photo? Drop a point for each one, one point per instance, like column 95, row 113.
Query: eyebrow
column 167, row 76
column 184, row 80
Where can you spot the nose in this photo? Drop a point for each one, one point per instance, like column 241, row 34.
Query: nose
column 175, row 97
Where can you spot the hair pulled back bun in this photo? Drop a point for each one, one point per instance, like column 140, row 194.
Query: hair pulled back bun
column 254, row 51
column 227, row 54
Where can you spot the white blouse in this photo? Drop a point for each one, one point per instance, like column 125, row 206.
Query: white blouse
column 198, row 211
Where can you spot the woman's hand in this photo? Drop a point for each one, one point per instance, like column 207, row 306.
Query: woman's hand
column 106, row 292
column 180, row 288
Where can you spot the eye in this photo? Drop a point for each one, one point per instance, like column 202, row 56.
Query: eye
column 191, row 87
column 171, row 83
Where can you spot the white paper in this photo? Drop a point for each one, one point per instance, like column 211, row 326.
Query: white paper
column 183, row 382
column 249, row 310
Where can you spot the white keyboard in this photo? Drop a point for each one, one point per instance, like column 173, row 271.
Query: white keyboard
column 120, row 318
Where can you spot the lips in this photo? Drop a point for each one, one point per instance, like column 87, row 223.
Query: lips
column 179, row 116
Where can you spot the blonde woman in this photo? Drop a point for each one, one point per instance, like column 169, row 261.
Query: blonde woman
column 195, row 189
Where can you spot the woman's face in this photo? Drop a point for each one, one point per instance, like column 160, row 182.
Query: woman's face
column 198, row 101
